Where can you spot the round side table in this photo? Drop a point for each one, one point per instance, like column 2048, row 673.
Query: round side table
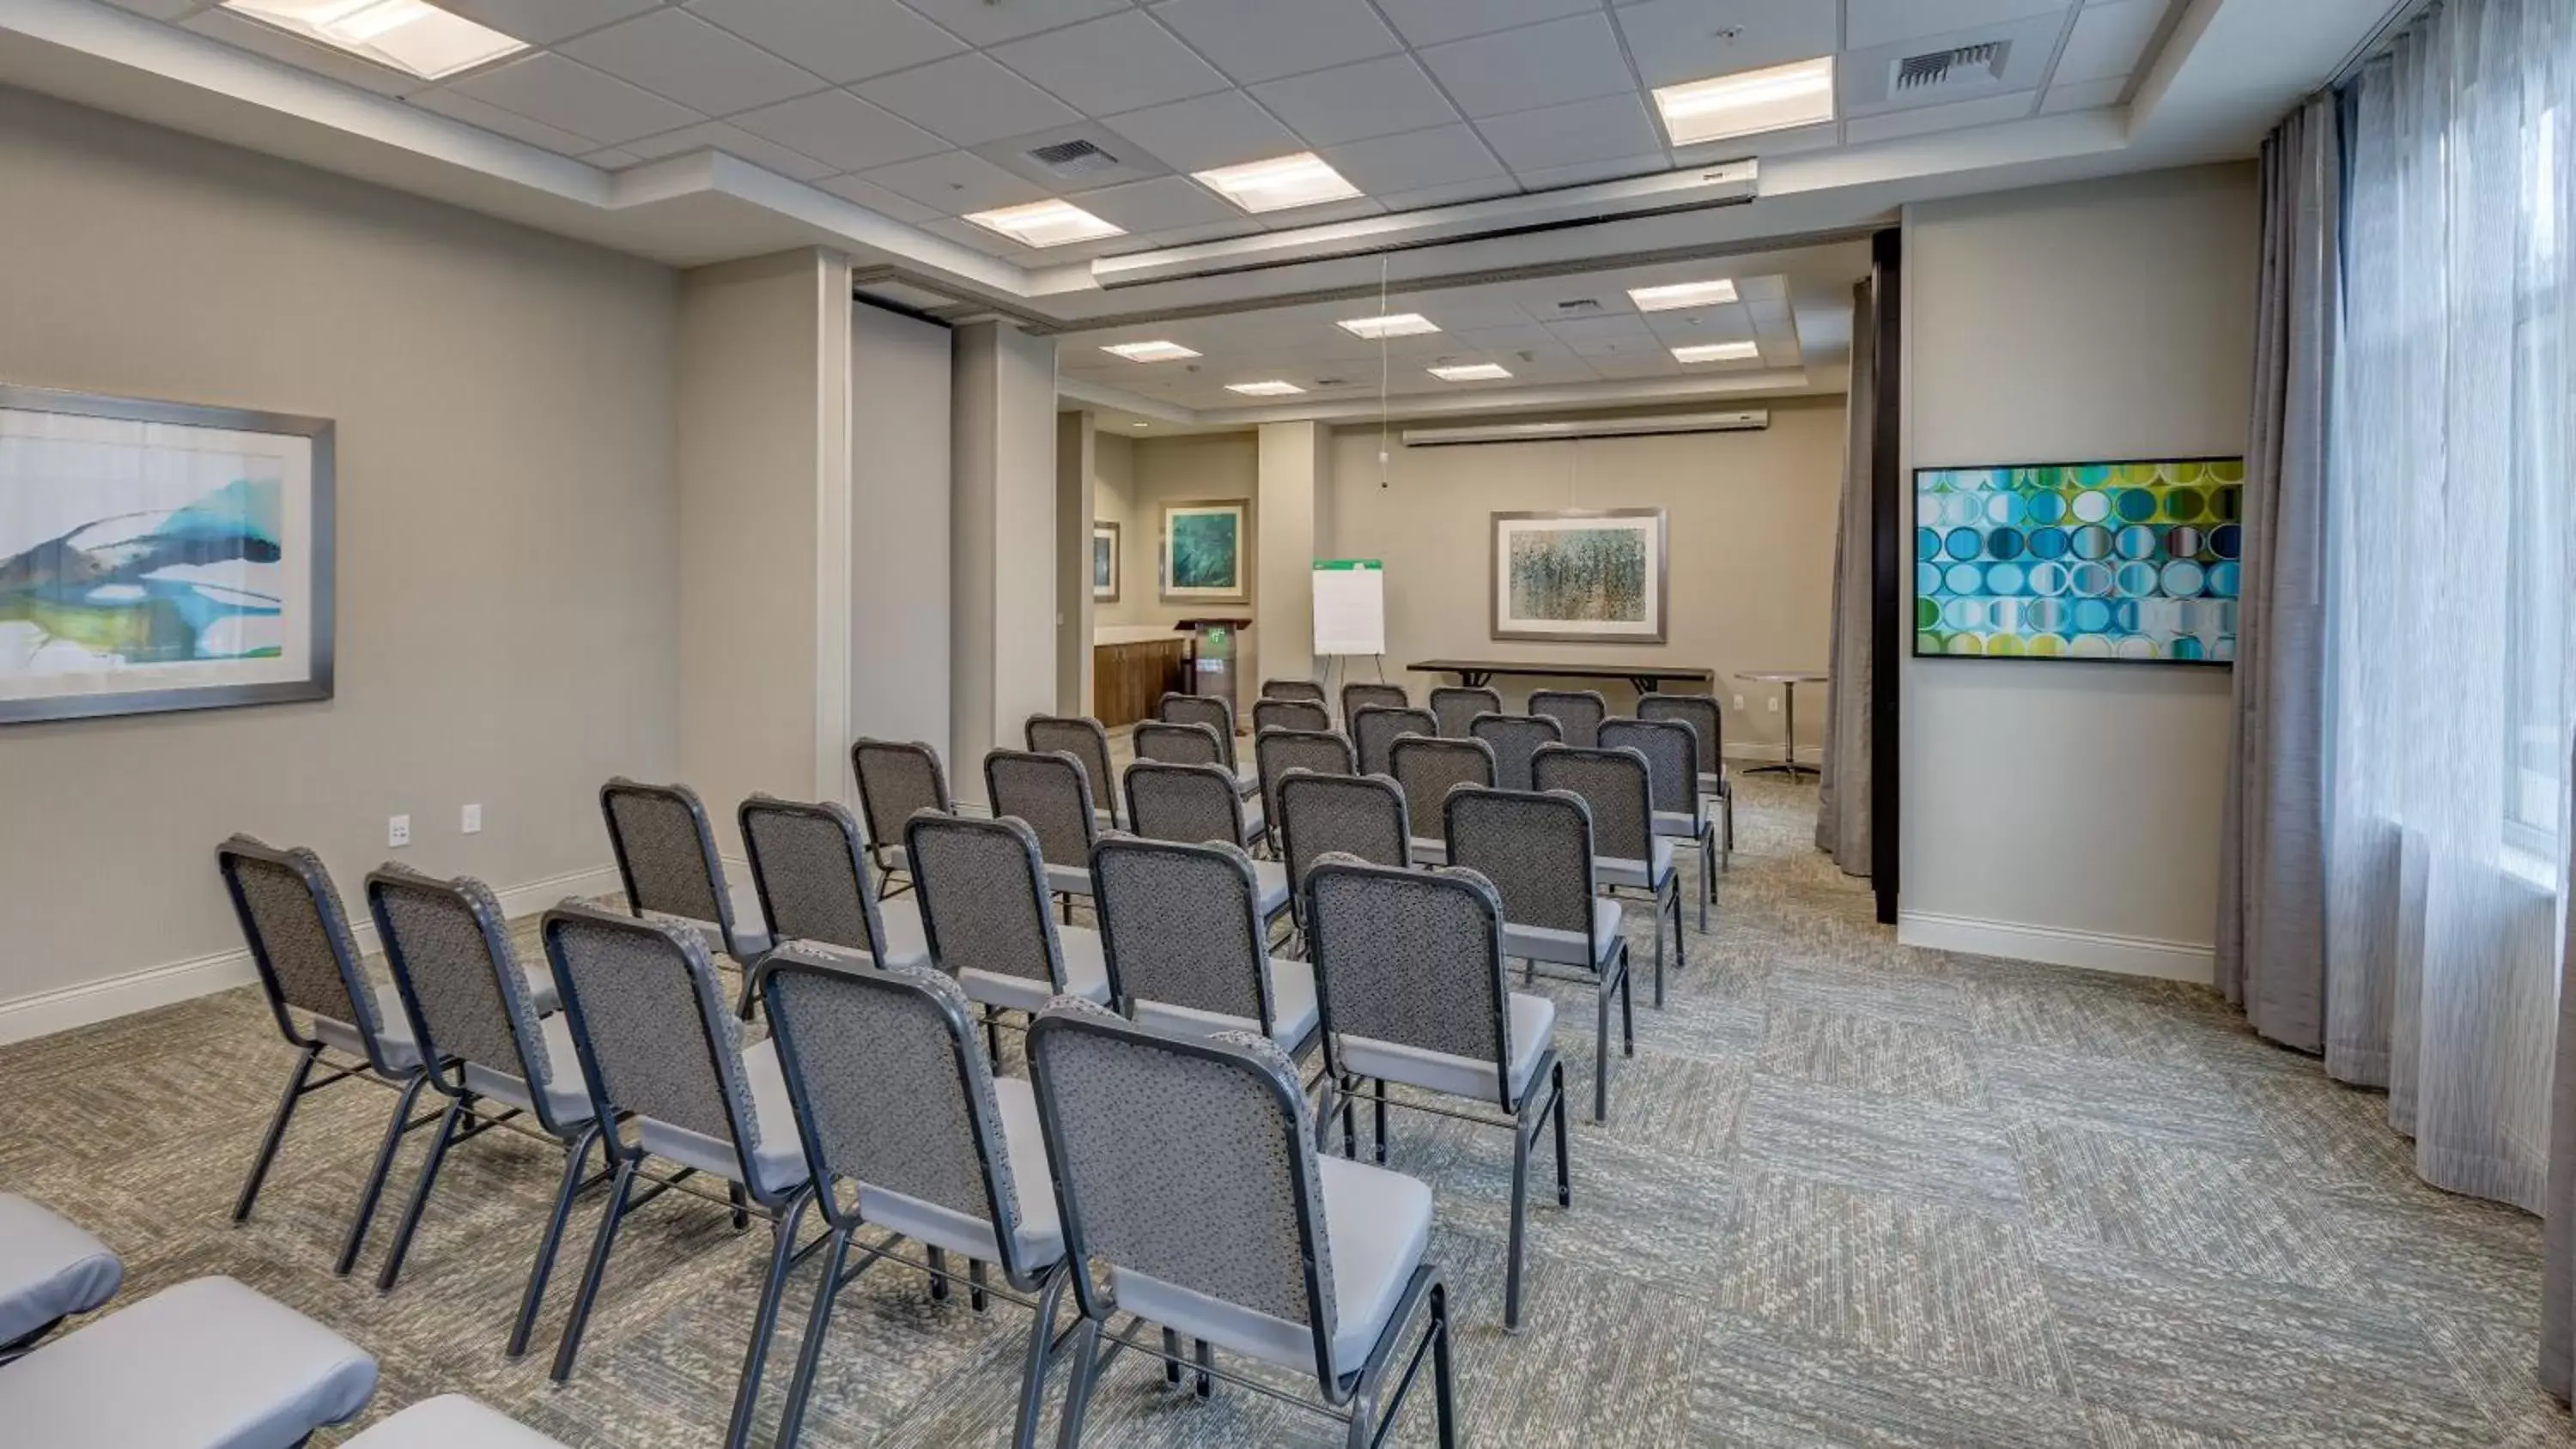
column 1788, row 680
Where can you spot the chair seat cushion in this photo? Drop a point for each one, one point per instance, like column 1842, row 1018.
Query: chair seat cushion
column 1430, row 850
column 393, row 1032
column 1533, row 1021
column 1270, row 887
column 1567, row 948
column 1621, row 871
column 50, row 1268
column 1681, row 825
column 1086, row 974
column 1377, row 1224
column 208, row 1362
column 1293, row 1012
column 451, row 1421
column 779, row 1164
column 567, row 1094
column 905, row 943
column 1072, row 880
column 1040, row 1239
column 1255, row 824
column 1715, row 782
column 1247, row 779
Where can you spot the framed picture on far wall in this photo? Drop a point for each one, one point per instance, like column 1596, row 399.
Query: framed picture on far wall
column 1203, row 552
column 2130, row 561
column 160, row 556
column 1104, row 563
column 1581, row 577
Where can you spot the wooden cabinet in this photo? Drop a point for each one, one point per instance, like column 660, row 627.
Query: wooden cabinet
column 1128, row 680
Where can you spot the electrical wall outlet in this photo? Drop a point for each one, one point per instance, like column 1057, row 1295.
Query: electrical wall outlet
column 398, row 831
column 1774, row 703
column 1739, row 701
column 472, row 821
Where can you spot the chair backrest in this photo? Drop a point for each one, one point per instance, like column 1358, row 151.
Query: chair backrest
column 1428, row 767
column 447, row 945
column 1699, row 711
column 1411, row 957
column 1305, row 689
column 983, row 892
column 1179, row 744
column 1189, row 803
column 1081, row 737
column 1052, row 794
column 1205, row 709
column 1373, row 732
column 651, row 1025
column 1671, row 749
column 896, row 778
column 808, row 865
column 299, row 940
column 1535, row 848
column 1191, row 1161
column 1579, row 710
column 1457, row 705
column 1180, row 926
column 666, row 853
column 1289, row 714
column 1356, row 815
column 1357, row 697
column 1514, row 738
column 1278, row 751
column 891, row 1089
column 1615, row 784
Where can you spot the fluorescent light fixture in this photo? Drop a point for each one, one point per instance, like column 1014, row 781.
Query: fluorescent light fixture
column 1135, row 425
column 409, row 35
column 1157, row 351
column 1273, row 387
column 1717, row 352
column 1683, row 294
column 1399, row 324
column 1800, row 93
column 1048, row 223
column 1472, row 372
column 1278, row 183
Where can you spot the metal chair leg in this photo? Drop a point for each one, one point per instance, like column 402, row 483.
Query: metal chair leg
column 1564, row 1172
column 1659, row 949
column 570, row 1346
column 1601, row 1052
column 575, row 1157
column 1627, row 1002
column 975, row 1284
column 741, row 1205
column 1205, row 1355
column 1707, row 873
column 1077, row 1393
column 277, row 1120
column 1033, row 1368
column 938, row 1275
column 1443, row 1384
column 1520, row 1223
column 1681, row 938
column 395, row 1127
column 1378, row 1092
column 1171, row 1357
column 438, row 1144
column 764, row 1322
column 818, row 1323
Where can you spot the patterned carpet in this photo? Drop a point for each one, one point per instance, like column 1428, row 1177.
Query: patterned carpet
column 1850, row 1193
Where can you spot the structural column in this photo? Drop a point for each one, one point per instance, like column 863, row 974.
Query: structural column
column 1295, row 509
column 1075, row 465
column 1002, row 544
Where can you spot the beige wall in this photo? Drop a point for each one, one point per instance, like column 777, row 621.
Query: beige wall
column 507, row 571
column 899, row 519
column 1136, row 477
column 1750, row 548
column 1002, row 541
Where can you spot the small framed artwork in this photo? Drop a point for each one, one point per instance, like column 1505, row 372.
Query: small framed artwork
column 1104, row 563
column 1580, row 577
column 159, row 556
column 1203, row 552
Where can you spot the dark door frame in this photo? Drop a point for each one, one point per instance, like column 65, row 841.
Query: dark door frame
column 1887, row 565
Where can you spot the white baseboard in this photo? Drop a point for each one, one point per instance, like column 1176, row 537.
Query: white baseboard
column 107, row 998
column 1770, row 754
column 2058, row 946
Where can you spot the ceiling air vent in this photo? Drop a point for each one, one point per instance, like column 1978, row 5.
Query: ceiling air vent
column 1578, row 306
column 1073, row 158
column 1958, row 68
column 1332, row 382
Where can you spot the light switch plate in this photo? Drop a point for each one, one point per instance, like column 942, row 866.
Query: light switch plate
column 471, row 821
column 398, row 832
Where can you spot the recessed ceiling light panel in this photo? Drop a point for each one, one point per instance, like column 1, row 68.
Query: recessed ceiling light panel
column 1399, row 324
column 1048, row 223
column 1157, row 351
column 1472, row 372
column 1748, row 102
column 1717, row 352
column 411, row 36
column 1278, row 183
column 1683, row 294
column 1272, row 387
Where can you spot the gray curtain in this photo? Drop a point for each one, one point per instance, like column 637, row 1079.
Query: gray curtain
column 2558, row 1277
column 2272, row 904
column 1842, row 799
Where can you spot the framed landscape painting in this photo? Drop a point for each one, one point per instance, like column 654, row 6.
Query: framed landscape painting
column 158, row 556
column 1203, row 552
column 1577, row 576
column 1104, row 563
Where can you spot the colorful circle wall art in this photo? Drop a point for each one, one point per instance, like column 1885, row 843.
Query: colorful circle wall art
column 2123, row 561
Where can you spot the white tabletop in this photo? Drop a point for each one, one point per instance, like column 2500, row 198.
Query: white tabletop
column 1784, row 676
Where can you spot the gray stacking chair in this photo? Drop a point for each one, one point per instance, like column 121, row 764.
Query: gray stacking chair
column 1218, row 716
column 51, row 1269
column 1186, row 1168
column 1409, row 973
column 1081, row 737
column 1380, row 695
column 1374, row 730
column 1196, row 803
column 1426, row 769
column 446, row 1422
column 1289, row 714
column 204, row 1364
column 814, row 883
column 1276, row 752
column 1513, row 739
column 1708, row 731
column 490, row 1053
column 1188, row 941
column 307, row 961
column 1053, row 794
column 1356, row 815
column 1180, row 743
column 1536, row 851
column 897, row 779
column 1305, row 689
column 1457, row 705
column 1672, row 775
column 1580, row 711
column 894, row 1098
column 666, row 856
column 983, row 886
column 664, row 1057
column 1627, row 854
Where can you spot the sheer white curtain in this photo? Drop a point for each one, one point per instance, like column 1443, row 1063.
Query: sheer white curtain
column 2449, row 536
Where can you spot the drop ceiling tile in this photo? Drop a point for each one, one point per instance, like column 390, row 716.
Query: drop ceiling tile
column 1681, row 40
column 1466, row 309
column 955, row 182
column 839, row 128
column 970, row 99
column 303, row 54
column 1187, row 236
column 1924, row 120
column 1713, row 324
column 734, row 141
column 877, row 199
column 1166, row 203
column 1770, row 143
column 1586, row 333
column 2108, row 40
column 508, row 123
column 1520, row 338
column 986, row 22
column 1429, row 22
column 1645, row 361
column 1354, row 102
column 1442, row 156
column 566, row 94
column 1585, row 131
column 1320, row 214
column 159, row 9
column 675, row 54
column 1500, row 184
column 1259, row 40
column 543, row 22
column 1119, row 62
column 2084, row 95
column 1224, row 129
column 1584, row 173
column 1884, row 22
column 613, row 158
column 967, row 233
column 840, row 40
column 1537, row 65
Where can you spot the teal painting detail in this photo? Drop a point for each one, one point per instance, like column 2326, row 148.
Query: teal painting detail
column 1588, row 575
column 1206, row 551
column 108, row 588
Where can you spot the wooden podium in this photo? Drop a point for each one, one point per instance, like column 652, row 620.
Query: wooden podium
column 1213, row 662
